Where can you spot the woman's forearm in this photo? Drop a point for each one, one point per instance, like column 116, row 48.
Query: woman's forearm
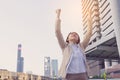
column 58, row 30
column 58, row 24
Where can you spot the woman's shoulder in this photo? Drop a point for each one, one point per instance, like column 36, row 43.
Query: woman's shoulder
column 81, row 46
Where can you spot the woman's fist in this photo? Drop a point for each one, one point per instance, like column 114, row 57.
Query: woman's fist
column 58, row 11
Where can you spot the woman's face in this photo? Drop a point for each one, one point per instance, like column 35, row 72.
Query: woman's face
column 73, row 37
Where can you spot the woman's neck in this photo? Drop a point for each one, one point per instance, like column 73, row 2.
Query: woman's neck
column 71, row 42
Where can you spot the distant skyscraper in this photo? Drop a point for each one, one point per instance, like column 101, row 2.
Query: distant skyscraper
column 54, row 67
column 20, row 60
column 47, row 67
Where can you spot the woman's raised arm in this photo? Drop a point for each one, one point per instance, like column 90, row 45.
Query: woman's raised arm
column 58, row 30
column 89, row 31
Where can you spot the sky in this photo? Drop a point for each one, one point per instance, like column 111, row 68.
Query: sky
column 31, row 23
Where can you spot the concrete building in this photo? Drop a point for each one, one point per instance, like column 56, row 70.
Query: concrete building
column 20, row 60
column 8, row 75
column 113, row 71
column 104, row 47
column 5, row 74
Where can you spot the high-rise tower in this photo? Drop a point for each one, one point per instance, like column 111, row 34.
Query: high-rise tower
column 20, row 60
column 54, row 67
column 47, row 67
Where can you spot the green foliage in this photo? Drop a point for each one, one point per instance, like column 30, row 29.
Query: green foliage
column 102, row 76
column 98, row 77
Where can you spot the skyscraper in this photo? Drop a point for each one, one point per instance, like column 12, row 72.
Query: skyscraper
column 20, row 60
column 54, row 67
column 47, row 67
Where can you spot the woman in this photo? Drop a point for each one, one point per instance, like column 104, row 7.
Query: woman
column 74, row 65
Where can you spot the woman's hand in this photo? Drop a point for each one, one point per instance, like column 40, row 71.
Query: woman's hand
column 58, row 11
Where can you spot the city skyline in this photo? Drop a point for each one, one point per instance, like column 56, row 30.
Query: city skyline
column 32, row 24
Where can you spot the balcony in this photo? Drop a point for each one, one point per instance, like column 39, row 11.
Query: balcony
column 104, row 48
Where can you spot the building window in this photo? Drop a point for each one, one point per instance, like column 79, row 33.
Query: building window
column 103, row 3
column 105, row 8
column 106, row 13
column 106, row 20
